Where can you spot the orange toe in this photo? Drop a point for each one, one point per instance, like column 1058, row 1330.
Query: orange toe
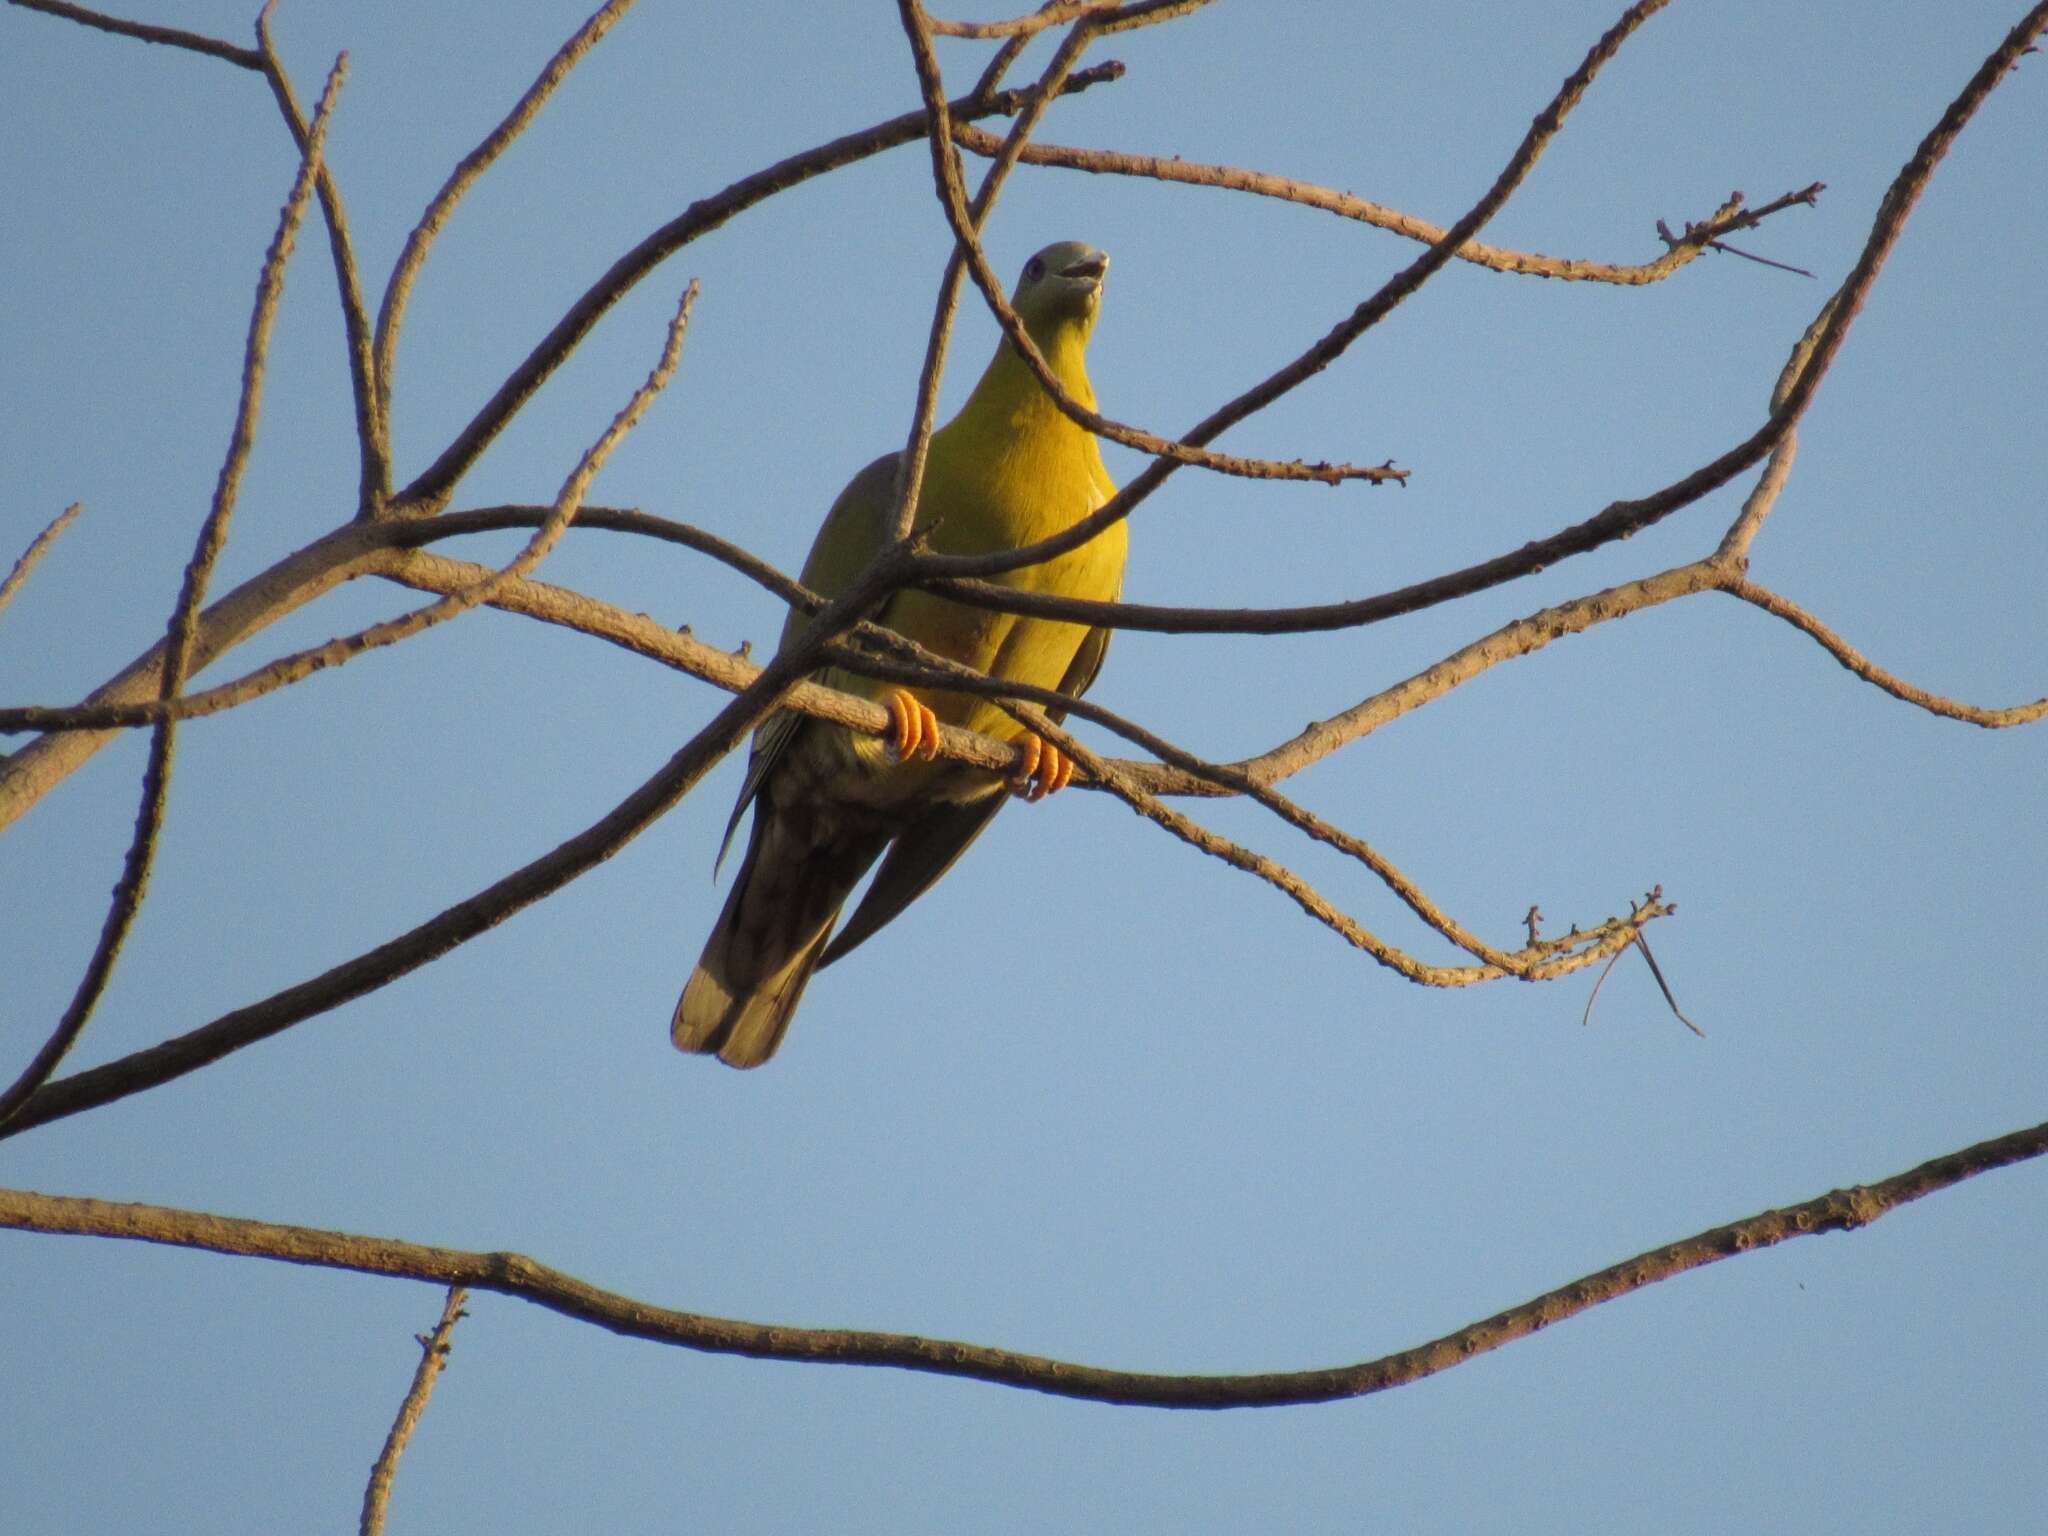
column 912, row 726
column 1044, row 769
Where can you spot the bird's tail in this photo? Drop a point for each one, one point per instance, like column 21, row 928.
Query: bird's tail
column 768, row 940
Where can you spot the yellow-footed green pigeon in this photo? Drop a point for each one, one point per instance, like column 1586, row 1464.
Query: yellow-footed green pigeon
column 1009, row 470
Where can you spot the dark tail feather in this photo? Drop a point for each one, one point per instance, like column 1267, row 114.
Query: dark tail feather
column 743, row 1030
column 768, row 940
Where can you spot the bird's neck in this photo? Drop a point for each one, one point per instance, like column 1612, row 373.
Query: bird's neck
column 1010, row 395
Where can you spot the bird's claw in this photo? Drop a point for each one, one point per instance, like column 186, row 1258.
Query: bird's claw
column 912, row 727
column 1042, row 769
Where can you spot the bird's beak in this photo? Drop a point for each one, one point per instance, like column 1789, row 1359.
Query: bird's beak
column 1091, row 269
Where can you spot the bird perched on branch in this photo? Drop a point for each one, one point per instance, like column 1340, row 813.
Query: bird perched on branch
column 1009, row 470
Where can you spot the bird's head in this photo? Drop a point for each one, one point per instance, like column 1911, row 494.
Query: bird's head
column 1061, row 286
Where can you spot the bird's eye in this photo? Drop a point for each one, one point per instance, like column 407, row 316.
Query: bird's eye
column 1034, row 269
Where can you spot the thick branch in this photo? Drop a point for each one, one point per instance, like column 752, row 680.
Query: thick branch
column 512, row 1274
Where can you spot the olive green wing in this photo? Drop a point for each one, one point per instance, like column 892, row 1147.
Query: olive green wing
column 848, row 539
column 930, row 844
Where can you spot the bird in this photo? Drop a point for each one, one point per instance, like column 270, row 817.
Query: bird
column 1008, row 470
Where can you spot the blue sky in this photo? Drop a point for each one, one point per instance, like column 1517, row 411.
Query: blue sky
column 1096, row 1096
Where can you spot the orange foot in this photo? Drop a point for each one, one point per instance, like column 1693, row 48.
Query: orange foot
column 912, row 726
column 1044, row 769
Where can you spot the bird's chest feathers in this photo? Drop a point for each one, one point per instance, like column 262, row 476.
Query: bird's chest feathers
column 1001, row 484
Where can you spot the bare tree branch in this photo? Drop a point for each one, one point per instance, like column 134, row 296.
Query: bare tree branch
column 332, row 653
column 455, row 925
column 1050, row 15
column 1679, row 252
column 133, row 885
column 466, row 919
column 431, row 489
column 434, row 1349
column 1934, row 703
column 398, row 290
column 38, row 547
column 1609, row 937
column 512, row 1274
column 1335, row 342
column 953, row 199
column 373, row 436
column 910, row 464
column 247, row 58
column 1620, row 519
column 920, row 667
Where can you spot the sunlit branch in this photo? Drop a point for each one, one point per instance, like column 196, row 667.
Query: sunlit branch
column 910, row 463
column 373, row 437
column 1336, row 341
column 430, row 490
column 37, row 548
column 1853, row 660
column 1679, row 252
column 953, row 200
column 434, row 1350
column 513, row 1274
column 1022, row 26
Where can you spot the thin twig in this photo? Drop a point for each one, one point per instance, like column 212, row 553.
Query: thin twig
column 512, row 1274
column 910, row 463
column 1336, row 341
column 373, row 435
column 1852, row 659
column 1694, row 240
column 38, row 547
column 133, row 885
column 434, row 1349
column 430, row 490
column 174, row 37
column 953, row 200
column 398, row 290
column 1656, row 970
column 458, row 924
column 1680, row 251
column 1600, row 981
column 299, row 665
